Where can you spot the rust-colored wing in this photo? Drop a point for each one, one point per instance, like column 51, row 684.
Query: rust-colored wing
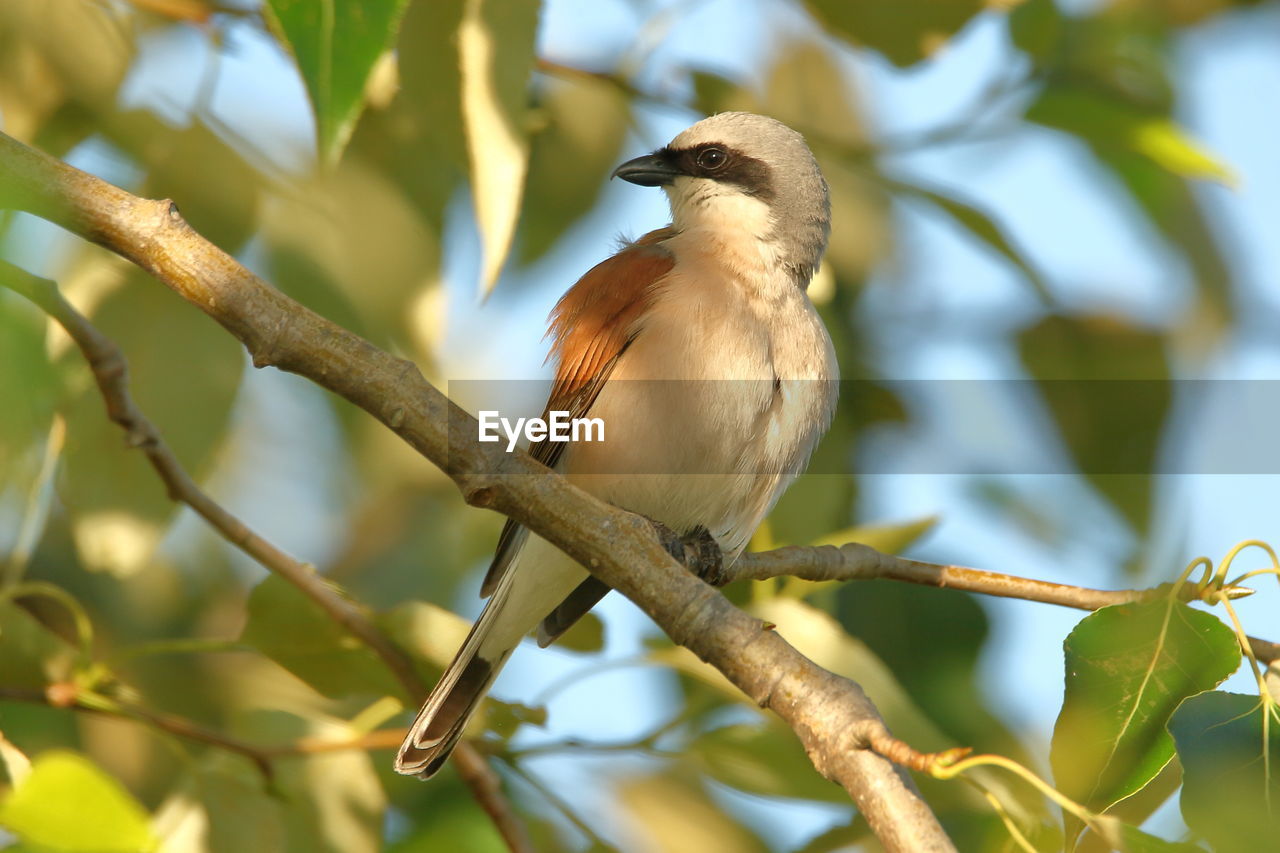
column 591, row 327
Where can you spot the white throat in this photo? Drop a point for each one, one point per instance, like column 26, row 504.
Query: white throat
column 724, row 220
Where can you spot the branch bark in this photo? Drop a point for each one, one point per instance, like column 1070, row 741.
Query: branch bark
column 855, row 562
column 832, row 716
column 111, row 373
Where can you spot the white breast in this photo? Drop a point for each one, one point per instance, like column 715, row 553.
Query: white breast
column 718, row 402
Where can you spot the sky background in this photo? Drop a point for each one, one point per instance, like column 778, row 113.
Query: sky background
column 1058, row 206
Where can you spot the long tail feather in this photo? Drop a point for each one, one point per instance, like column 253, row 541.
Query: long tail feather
column 455, row 698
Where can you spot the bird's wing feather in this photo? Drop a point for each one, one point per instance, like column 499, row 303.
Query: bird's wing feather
column 591, row 327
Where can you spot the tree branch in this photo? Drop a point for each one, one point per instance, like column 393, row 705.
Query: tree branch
column 856, row 562
column 68, row 696
column 111, row 373
column 832, row 716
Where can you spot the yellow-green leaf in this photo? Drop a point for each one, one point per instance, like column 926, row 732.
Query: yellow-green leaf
column 496, row 50
column 889, row 538
column 67, row 804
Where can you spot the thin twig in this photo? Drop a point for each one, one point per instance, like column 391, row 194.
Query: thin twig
column 110, row 371
column 855, row 562
column 68, row 696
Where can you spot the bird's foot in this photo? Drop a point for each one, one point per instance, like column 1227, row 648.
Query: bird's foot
column 706, row 558
column 698, row 552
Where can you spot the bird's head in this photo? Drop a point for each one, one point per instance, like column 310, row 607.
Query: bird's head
column 745, row 175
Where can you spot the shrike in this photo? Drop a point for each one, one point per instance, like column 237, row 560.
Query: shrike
column 699, row 349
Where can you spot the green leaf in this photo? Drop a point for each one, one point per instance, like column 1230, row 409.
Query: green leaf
column 905, row 32
column 330, row 801
column 223, row 800
column 1128, row 668
column 291, row 630
column 428, row 632
column 118, row 505
column 1036, row 27
column 336, row 43
column 496, row 49
column 68, row 804
column 1129, row 839
column 979, row 224
column 761, row 759
column 1231, row 770
column 28, row 384
column 585, row 122
column 586, row 635
column 33, row 656
column 1103, row 379
column 890, row 538
column 16, row 765
column 1107, row 122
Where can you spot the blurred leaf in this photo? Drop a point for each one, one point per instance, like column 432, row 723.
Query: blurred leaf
column 585, row 122
column 932, row 641
column 31, row 656
column 17, row 767
column 28, row 383
column 1111, row 86
column 667, row 813
column 225, row 798
column 427, row 631
column 1105, row 382
column 184, row 372
column 220, row 199
column 762, row 759
column 1106, row 122
column 496, row 47
column 979, row 224
column 58, row 57
column 586, row 635
column 905, row 32
column 191, row 11
column 506, row 718
column 68, row 804
column 374, row 255
column 1128, row 667
column 840, row 838
column 336, row 44
column 331, row 802
column 890, row 538
column 418, row 142
column 819, row 637
column 1036, row 27
column 1231, row 770
column 1133, row 840
column 291, row 630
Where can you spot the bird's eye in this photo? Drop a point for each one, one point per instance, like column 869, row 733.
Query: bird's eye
column 712, row 158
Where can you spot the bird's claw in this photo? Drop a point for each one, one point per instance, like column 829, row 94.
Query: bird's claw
column 698, row 552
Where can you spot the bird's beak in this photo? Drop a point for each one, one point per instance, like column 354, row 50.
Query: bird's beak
column 651, row 170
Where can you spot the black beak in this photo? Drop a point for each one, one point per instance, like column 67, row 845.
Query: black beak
column 651, row 170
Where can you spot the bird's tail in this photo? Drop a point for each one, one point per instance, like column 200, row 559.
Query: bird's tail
column 456, row 696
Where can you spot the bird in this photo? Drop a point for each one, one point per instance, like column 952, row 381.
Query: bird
column 700, row 351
